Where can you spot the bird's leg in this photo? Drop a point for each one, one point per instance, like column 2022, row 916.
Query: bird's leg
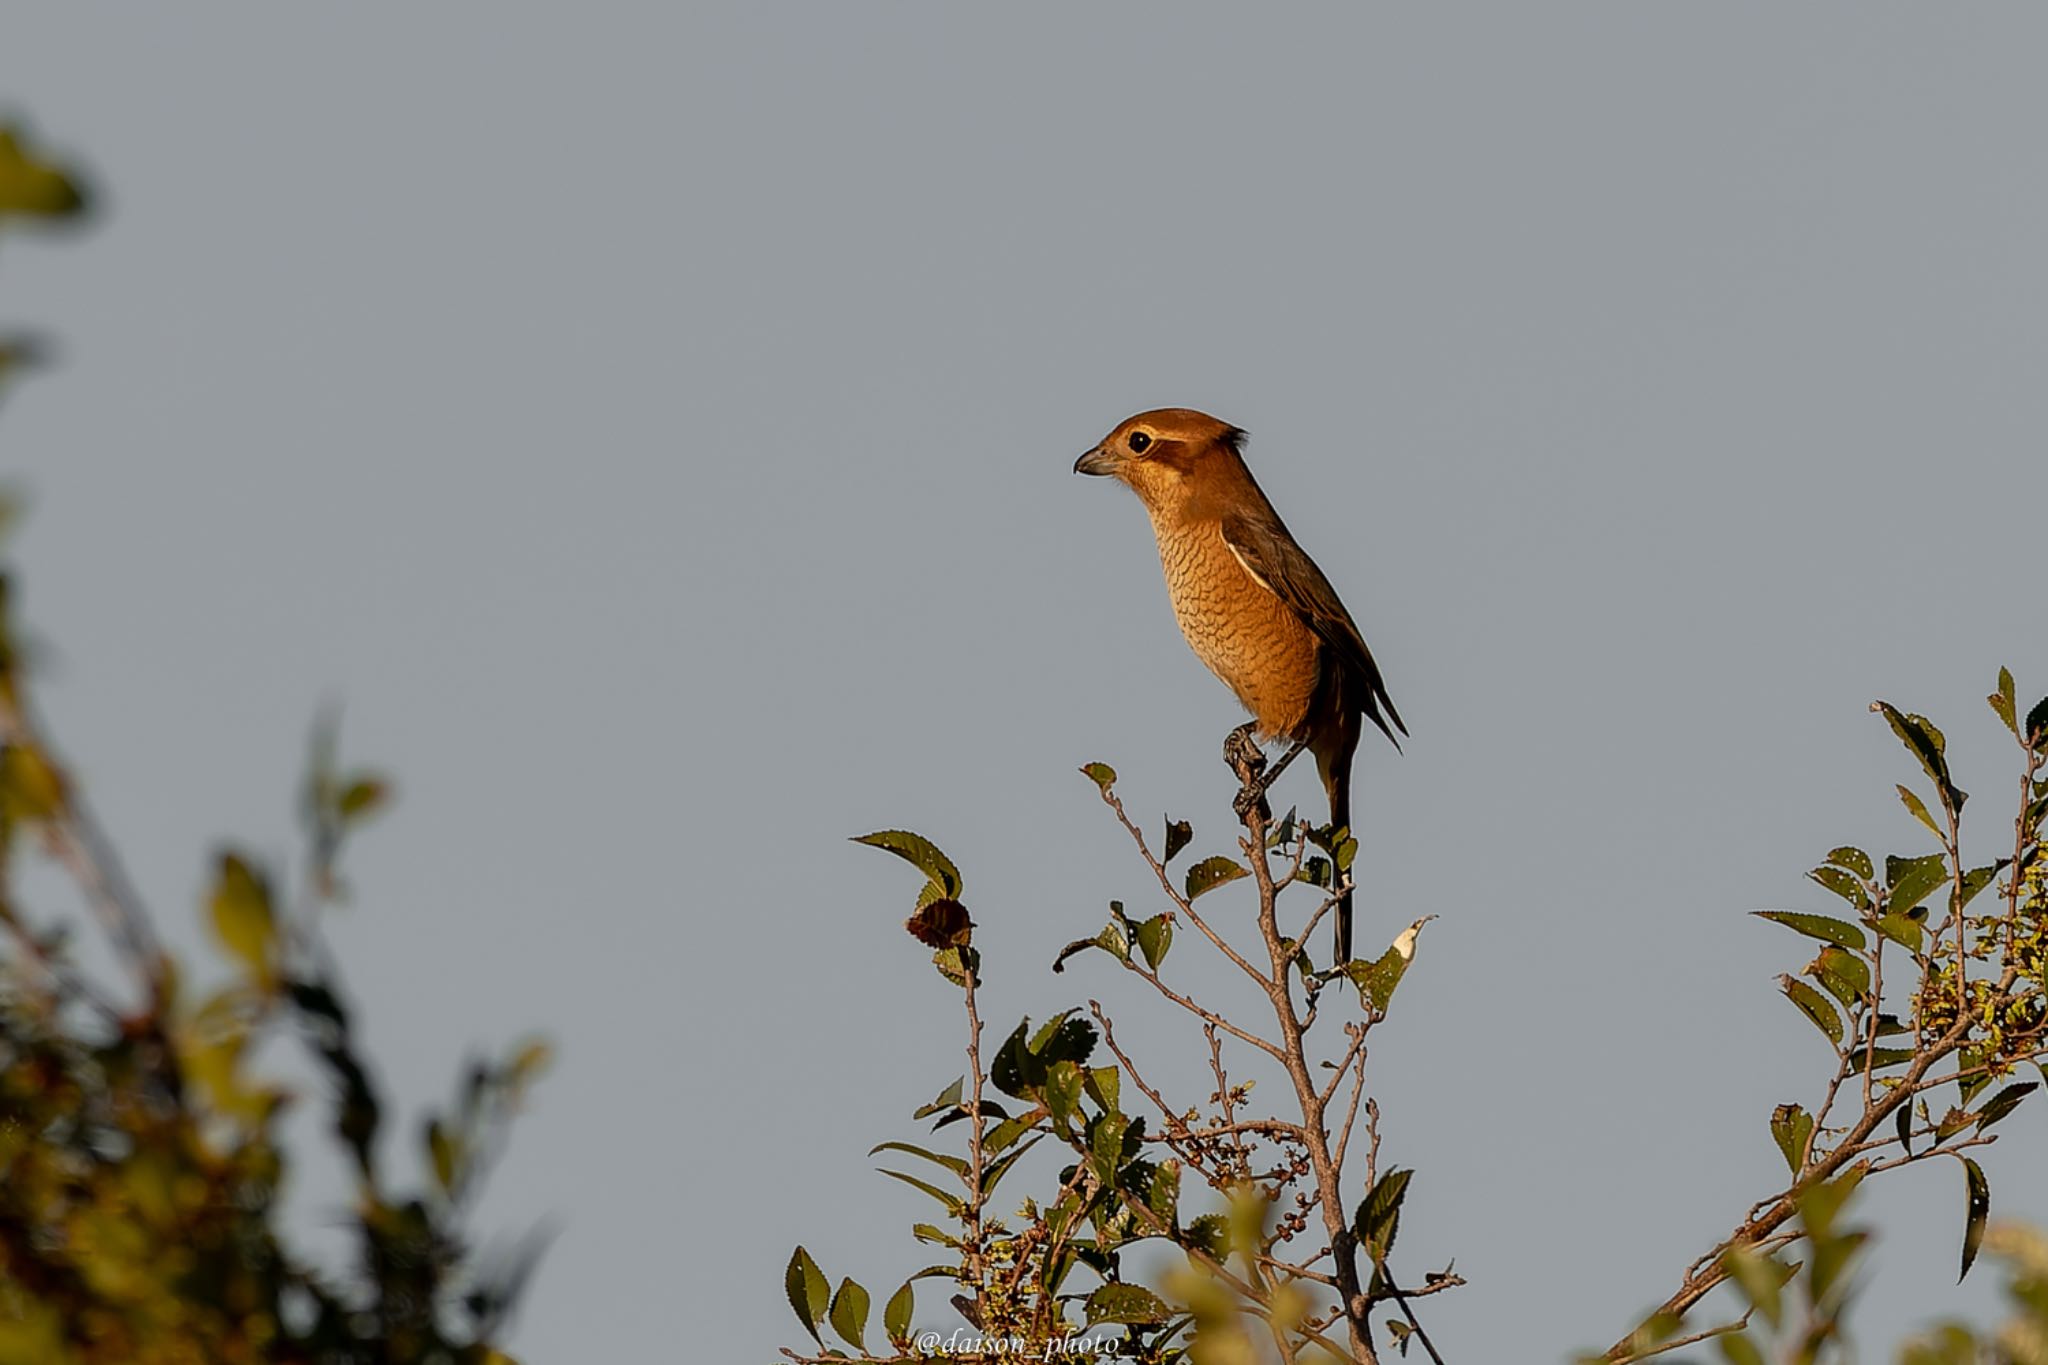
column 1245, row 758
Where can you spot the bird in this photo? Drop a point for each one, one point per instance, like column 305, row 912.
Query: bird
column 1252, row 604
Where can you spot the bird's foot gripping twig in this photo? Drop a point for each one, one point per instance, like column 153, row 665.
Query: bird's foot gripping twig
column 1241, row 751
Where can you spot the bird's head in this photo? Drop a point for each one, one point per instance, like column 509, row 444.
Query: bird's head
column 1168, row 455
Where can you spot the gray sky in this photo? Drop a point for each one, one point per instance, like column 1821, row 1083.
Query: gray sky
column 655, row 425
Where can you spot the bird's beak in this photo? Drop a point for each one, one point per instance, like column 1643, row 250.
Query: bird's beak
column 1096, row 461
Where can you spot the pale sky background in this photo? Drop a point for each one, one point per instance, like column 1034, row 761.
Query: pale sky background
column 654, row 423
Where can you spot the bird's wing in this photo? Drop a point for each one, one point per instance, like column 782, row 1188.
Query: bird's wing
column 1270, row 555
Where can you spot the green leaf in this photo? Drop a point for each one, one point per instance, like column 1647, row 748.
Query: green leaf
column 1761, row 1279
column 1379, row 1216
column 1101, row 774
column 1211, row 873
column 953, row 1205
column 1975, row 880
column 1911, row 879
column 920, row 853
column 1878, row 1058
column 1106, row 1145
column 1814, row 1006
column 32, row 187
column 1737, row 1349
column 957, row 1165
column 1844, row 974
column 1979, row 1212
column 1853, row 859
column 1104, row 1085
column 1315, row 870
column 1918, row 809
column 2005, row 704
column 925, row 1232
column 999, row 1138
column 1178, row 833
column 1790, row 1127
column 1835, row 931
column 1210, row 1233
column 896, row 1314
column 1842, row 884
column 1125, row 1303
column 949, row 1098
column 242, row 915
column 998, row 1169
column 1155, row 937
column 2003, row 1103
column 362, row 798
column 1063, row 1082
column 809, row 1292
column 850, row 1314
column 1377, row 979
column 1903, row 930
column 1926, row 744
column 1111, row 940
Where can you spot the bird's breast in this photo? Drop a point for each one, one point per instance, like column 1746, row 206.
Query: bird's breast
column 1238, row 627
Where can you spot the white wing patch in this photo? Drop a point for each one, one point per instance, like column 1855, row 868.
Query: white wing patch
column 1246, row 565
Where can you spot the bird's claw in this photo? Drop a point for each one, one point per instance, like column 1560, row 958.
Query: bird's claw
column 1241, row 751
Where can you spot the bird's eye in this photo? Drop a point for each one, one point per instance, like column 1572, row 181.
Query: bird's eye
column 1138, row 442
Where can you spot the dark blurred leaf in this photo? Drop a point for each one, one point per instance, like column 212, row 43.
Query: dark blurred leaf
column 809, row 1292
column 1210, row 1233
column 1211, row 873
column 943, row 923
column 1814, row 1006
column 1101, row 774
column 850, row 1314
column 241, row 913
column 1790, row 1127
column 1979, row 1191
column 364, row 797
column 1178, row 833
column 1761, row 1279
column 1827, row 930
column 1063, row 1038
column 920, row 853
column 31, row 186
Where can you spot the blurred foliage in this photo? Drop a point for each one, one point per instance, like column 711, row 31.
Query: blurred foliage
column 141, row 1168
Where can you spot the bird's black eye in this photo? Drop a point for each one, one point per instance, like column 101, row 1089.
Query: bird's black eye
column 1138, row 442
